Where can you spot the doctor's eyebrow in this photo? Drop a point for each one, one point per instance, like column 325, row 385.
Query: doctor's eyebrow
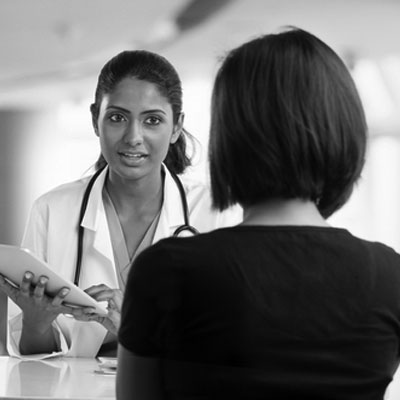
column 117, row 108
column 125, row 110
column 155, row 110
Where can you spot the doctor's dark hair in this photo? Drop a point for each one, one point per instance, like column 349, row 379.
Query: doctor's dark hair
column 287, row 122
column 153, row 68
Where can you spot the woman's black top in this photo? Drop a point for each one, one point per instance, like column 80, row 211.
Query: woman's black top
column 267, row 312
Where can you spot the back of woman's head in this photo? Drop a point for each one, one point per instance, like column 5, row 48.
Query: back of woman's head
column 153, row 68
column 287, row 122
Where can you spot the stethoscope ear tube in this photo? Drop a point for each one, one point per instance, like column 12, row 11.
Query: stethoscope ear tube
column 186, row 227
column 85, row 200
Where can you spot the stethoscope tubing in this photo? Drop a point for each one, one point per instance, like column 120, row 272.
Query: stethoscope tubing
column 85, row 199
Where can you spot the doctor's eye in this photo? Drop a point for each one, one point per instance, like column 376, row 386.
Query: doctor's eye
column 153, row 120
column 116, row 117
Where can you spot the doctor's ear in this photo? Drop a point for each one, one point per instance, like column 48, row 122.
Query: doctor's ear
column 177, row 128
column 95, row 114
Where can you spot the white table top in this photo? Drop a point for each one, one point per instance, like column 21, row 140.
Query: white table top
column 74, row 378
column 393, row 392
column 58, row 378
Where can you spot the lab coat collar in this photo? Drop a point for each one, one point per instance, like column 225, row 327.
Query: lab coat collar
column 95, row 207
column 171, row 216
column 95, row 219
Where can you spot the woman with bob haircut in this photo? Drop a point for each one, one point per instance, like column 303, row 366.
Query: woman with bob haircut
column 282, row 306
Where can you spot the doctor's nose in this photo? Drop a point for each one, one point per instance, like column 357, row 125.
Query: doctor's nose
column 133, row 134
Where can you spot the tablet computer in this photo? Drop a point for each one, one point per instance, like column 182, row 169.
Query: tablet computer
column 15, row 261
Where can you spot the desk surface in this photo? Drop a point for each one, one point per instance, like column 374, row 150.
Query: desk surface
column 74, row 378
column 58, row 378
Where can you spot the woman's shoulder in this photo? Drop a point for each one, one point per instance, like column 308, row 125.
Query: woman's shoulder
column 384, row 254
column 200, row 246
column 171, row 254
column 373, row 247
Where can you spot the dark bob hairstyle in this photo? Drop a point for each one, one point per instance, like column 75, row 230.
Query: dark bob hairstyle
column 153, row 68
column 287, row 122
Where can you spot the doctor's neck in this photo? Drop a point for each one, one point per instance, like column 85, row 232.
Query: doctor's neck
column 138, row 192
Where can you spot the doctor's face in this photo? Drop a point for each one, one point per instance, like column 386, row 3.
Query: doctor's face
column 135, row 127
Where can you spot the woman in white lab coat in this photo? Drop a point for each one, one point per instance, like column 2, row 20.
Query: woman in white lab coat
column 134, row 201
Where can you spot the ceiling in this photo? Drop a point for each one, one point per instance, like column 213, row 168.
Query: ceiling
column 54, row 49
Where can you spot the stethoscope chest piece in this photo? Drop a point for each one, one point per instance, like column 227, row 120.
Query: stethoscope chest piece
column 185, row 231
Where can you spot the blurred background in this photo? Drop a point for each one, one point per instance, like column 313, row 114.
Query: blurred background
column 52, row 51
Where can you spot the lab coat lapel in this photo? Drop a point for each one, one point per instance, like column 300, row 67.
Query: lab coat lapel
column 171, row 212
column 95, row 219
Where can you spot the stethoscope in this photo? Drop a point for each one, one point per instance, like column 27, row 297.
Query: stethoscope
column 183, row 230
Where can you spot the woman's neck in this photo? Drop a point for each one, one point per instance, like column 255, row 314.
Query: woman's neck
column 283, row 212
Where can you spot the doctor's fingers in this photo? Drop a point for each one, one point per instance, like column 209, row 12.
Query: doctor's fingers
column 40, row 287
column 113, row 297
column 108, row 323
column 95, row 317
column 82, row 313
column 26, row 284
column 95, row 289
column 60, row 297
column 105, row 294
column 115, row 302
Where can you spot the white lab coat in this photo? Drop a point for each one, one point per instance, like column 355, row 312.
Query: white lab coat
column 51, row 233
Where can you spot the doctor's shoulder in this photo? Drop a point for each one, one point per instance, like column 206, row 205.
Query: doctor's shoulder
column 67, row 196
column 199, row 200
column 54, row 211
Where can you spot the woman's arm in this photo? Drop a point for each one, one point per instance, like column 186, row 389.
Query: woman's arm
column 138, row 377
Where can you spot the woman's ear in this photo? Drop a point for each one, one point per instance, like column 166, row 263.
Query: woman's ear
column 94, row 119
column 177, row 129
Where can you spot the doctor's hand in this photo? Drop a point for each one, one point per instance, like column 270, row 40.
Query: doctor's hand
column 38, row 313
column 39, row 310
column 114, row 297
